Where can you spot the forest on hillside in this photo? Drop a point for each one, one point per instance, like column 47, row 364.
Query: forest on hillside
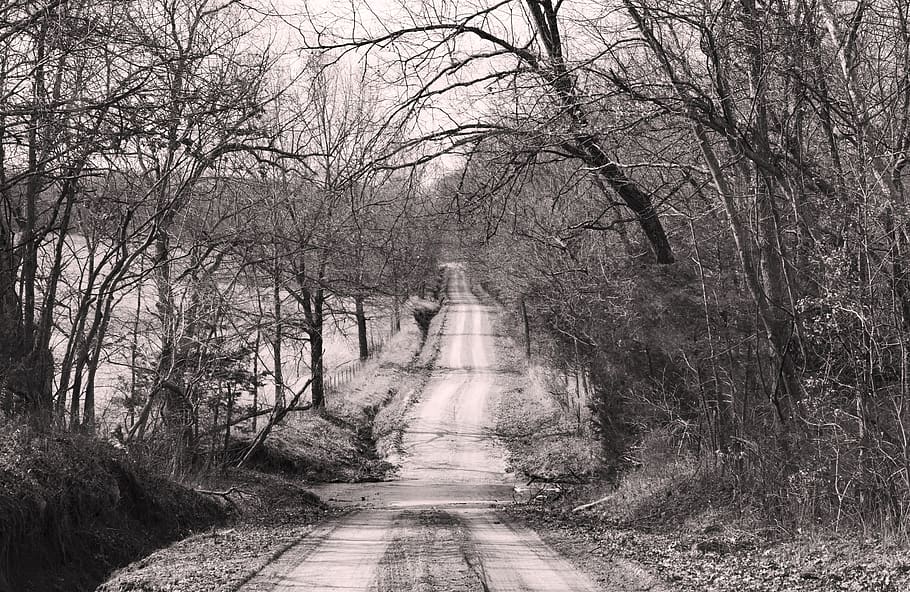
column 703, row 207
column 188, row 207
column 698, row 204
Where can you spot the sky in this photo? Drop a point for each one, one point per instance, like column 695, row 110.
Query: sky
column 392, row 78
column 394, row 72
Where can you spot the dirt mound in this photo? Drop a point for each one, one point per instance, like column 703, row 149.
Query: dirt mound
column 318, row 447
column 72, row 509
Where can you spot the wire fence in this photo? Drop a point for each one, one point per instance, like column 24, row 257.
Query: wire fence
column 348, row 371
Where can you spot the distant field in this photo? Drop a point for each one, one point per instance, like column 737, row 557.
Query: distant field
column 133, row 325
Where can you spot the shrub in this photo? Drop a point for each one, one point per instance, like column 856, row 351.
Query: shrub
column 424, row 311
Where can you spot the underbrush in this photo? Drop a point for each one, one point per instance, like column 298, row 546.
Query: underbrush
column 699, row 526
column 72, row 508
column 826, row 477
column 319, row 447
column 668, row 488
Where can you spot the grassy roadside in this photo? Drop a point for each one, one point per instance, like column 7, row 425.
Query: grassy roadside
column 666, row 526
column 406, row 383
column 543, row 441
column 676, row 527
column 345, row 442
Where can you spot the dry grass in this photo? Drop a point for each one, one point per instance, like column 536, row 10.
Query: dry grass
column 370, row 388
column 543, row 439
column 360, row 425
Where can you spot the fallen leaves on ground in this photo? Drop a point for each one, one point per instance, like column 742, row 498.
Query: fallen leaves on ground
column 275, row 513
column 729, row 560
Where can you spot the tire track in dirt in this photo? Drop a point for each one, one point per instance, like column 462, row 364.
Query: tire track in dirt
column 358, row 542
column 515, row 559
column 428, row 553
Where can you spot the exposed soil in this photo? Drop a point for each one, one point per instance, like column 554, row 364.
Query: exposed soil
column 72, row 509
column 272, row 514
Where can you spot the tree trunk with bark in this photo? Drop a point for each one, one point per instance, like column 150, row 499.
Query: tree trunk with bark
column 527, row 326
column 314, row 331
column 362, row 337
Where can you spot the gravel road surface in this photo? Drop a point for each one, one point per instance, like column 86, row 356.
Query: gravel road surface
column 434, row 528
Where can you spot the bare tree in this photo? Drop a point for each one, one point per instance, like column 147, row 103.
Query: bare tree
column 447, row 49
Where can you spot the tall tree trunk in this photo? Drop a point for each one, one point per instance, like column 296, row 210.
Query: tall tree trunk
column 526, row 324
column 256, row 378
column 396, row 313
column 36, row 366
column 76, row 388
column 777, row 334
column 100, row 332
column 316, row 350
column 227, row 423
column 362, row 337
column 10, row 317
column 766, row 290
column 134, row 354
column 171, row 364
column 725, row 402
column 778, row 291
column 586, row 145
column 277, row 337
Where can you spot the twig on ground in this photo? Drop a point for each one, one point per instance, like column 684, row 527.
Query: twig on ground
column 590, row 504
column 226, row 494
column 223, row 494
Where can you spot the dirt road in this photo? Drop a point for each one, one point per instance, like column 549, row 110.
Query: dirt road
column 433, row 529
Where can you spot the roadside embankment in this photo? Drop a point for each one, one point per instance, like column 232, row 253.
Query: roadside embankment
column 350, row 440
column 719, row 556
column 273, row 513
column 667, row 524
column 545, row 442
column 73, row 508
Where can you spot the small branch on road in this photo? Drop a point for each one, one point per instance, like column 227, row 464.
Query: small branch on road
column 562, row 479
